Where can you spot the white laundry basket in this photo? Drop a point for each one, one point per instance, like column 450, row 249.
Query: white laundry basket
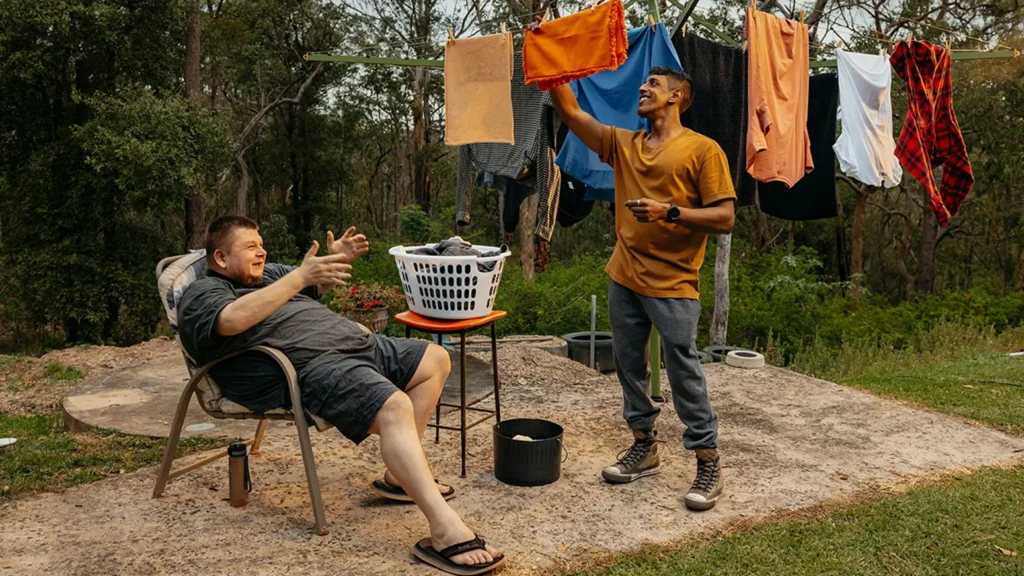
column 449, row 287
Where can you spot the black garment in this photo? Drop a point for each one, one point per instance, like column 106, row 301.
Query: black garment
column 573, row 205
column 814, row 196
column 719, row 108
column 513, row 194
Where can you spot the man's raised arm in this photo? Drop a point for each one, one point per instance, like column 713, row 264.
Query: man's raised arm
column 583, row 125
column 256, row 306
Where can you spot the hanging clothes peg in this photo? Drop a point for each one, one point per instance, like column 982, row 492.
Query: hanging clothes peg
column 594, row 5
column 684, row 30
column 547, row 14
column 840, row 45
column 801, row 16
column 650, row 20
column 450, row 35
column 503, row 28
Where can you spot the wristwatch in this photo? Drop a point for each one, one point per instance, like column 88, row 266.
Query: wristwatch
column 673, row 213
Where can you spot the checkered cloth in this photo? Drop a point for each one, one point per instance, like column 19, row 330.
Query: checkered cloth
column 176, row 278
column 931, row 136
column 531, row 159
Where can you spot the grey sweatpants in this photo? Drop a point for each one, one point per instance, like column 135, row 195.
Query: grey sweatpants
column 676, row 321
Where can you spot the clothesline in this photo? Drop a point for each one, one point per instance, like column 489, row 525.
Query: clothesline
column 315, row 57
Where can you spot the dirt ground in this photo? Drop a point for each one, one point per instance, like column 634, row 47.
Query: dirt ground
column 787, row 442
column 25, row 386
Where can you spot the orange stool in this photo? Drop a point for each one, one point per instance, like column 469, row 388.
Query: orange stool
column 440, row 327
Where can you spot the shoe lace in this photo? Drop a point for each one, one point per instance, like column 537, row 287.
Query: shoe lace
column 707, row 476
column 635, row 453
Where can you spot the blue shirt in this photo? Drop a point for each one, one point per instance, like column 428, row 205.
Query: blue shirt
column 612, row 97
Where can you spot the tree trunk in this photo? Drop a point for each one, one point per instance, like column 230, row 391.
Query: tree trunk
column 1020, row 261
column 242, row 197
column 420, row 190
column 857, row 260
column 720, row 320
column 527, row 225
column 757, row 230
column 901, row 253
column 929, row 239
column 840, row 221
column 195, row 217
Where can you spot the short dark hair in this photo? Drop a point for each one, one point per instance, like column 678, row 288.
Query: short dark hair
column 676, row 77
column 219, row 232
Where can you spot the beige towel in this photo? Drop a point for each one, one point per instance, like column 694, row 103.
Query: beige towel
column 478, row 90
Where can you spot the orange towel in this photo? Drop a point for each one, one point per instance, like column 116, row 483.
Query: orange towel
column 478, row 90
column 577, row 46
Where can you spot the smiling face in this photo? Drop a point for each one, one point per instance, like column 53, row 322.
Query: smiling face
column 660, row 94
column 243, row 257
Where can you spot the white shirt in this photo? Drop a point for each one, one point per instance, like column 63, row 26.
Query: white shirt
column 865, row 147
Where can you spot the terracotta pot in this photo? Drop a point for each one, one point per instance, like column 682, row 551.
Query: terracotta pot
column 376, row 319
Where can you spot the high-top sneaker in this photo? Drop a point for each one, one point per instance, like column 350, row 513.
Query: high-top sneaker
column 709, row 483
column 639, row 460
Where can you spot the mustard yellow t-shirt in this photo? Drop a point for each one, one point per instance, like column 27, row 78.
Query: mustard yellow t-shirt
column 662, row 259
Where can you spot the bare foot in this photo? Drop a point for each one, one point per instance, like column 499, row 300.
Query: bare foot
column 456, row 532
column 392, row 481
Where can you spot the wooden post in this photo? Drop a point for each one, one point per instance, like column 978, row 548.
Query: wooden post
column 720, row 320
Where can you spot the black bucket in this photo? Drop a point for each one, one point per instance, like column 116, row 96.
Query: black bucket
column 604, row 352
column 527, row 463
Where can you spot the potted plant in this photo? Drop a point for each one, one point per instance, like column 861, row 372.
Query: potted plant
column 367, row 304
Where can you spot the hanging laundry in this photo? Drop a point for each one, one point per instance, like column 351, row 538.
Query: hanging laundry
column 866, row 145
column 477, row 90
column 576, row 46
column 778, row 147
column 814, row 196
column 535, row 124
column 931, row 135
column 613, row 98
column 719, row 108
column 573, row 204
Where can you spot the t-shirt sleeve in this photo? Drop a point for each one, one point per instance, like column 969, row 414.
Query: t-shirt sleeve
column 200, row 305
column 609, row 145
column 715, row 178
column 273, row 272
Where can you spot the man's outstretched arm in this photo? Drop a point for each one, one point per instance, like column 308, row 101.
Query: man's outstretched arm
column 583, row 125
column 256, row 306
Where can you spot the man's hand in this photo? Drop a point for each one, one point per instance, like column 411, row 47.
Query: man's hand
column 324, row 272
column 351, row 245
column 647, row 210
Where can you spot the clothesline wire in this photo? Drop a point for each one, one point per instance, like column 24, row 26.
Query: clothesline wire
column 425, row 41
column 948, row 31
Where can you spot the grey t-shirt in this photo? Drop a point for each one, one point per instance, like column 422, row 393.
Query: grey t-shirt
column 304, row 329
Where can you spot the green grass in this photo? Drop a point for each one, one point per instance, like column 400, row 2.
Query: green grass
column 60, row 373
column 989, row 389
column 49, row 458
column 953, row 527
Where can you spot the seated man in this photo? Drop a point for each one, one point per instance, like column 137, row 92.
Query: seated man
column 361, row 383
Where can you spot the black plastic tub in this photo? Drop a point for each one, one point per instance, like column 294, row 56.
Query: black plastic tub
column 579, row 349
column 527, row 463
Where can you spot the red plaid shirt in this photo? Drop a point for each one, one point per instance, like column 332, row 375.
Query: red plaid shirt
column 931, row 136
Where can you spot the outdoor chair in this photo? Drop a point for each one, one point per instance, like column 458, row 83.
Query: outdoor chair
column 174, row 274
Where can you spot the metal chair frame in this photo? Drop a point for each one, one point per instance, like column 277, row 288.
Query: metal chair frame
column 301, row 427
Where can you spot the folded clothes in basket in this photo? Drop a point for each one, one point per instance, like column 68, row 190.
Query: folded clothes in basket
column 456, row 246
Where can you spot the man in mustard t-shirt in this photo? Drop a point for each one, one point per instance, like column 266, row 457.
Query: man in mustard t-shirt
column 672, row 188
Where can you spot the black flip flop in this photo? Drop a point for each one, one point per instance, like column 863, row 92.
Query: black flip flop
column 424, row 550
column 398, row 494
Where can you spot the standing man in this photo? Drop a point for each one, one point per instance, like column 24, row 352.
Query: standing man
column 672, row 188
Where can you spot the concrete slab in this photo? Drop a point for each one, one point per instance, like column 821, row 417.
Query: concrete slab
column 787, row 441
column 141, row 400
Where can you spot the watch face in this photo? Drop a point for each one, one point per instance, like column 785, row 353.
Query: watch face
column 673, row 213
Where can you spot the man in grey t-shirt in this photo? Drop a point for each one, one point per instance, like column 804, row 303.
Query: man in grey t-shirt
column 361, row 383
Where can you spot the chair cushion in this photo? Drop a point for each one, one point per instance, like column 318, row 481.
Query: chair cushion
column 176, row 278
